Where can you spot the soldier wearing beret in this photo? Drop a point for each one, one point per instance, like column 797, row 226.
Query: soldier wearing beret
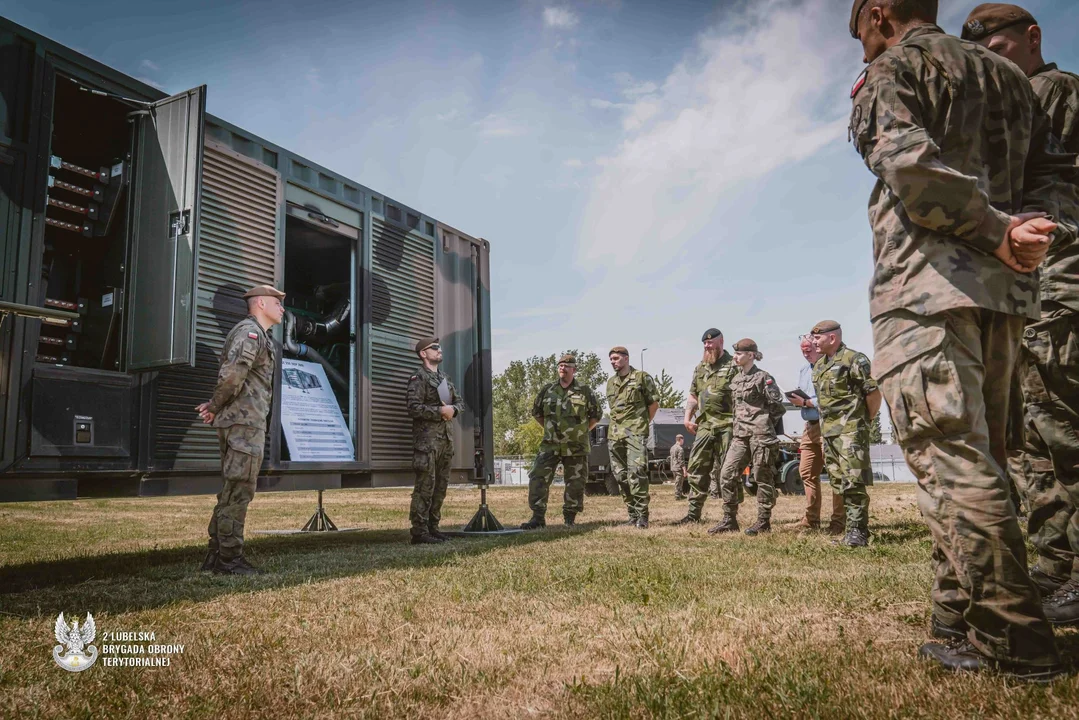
column 567, row 410
column 238, row 409
column 960, row 154
column 433, row 403
column 709, row 415
column 758, row 407
column 678, row 467
column 633, row 401
column 847, row 399
column 1044, row 452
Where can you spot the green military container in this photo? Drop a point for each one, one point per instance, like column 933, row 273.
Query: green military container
column 141, row 220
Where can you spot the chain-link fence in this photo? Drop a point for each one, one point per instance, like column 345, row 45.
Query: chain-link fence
column 889, row 464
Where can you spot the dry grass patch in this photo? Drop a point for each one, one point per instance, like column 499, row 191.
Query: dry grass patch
column 597, row 621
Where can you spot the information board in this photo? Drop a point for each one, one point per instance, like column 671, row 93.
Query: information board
column 310, row 416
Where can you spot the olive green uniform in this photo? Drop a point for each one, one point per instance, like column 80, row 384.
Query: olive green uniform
column 758, row 406
column 678, row 470
column 843, row 381
column 711, row 385
column 629, row 398
column 240, row 404
column 432, row 446
column 565, row 414
column 950, row 131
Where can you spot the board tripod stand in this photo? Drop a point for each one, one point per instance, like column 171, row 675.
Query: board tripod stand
column 320, row 521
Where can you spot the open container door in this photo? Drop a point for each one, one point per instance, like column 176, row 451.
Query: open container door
column 164, row 237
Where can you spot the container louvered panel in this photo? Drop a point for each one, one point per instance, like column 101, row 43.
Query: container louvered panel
column 237, row 250
column 391, row 427
column 403, row 294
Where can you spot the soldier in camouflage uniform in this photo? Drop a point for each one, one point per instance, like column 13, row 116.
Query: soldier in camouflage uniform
column 1048, row 367
column 238, row 409
column 710, row 399
column 633, row 401
column 567, row 411
column 678, row 467
column 951, row 132
column 848, row 399
column 758, row 406
column 432, row 403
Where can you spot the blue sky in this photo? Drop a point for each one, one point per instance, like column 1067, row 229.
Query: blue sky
column 643, row 170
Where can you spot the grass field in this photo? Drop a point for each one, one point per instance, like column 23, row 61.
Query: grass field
column 599, row 621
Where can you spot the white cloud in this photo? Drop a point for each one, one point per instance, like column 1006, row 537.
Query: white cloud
column 560, row 18
column 573, row 163
column 448, row 116
column 601, row 104
column 743, row 102
column 149, row 65
column 496, row 125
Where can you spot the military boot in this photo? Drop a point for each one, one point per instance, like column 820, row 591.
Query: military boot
column 234, row 566
column 1062, row 607
column 211, row 558
column 536, row 522
column 729, row 523
column 569, row 519
column 763, row 525
column 964, row 657
column 855, row 537
column 642, row 522
column 439, row 535
column 424, row 539
column 1047, row 585
column 944, row 631
column 689, row 520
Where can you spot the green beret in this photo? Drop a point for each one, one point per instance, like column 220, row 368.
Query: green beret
column 825, row 326
column 857, row 8
column 990, row 18
column 618, row 350
column 711, row 334
column 425, row 343
column 567, row 359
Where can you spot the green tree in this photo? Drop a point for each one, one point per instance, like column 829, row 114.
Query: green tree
column 515, row 389
column 875, row 435
column 668, row 396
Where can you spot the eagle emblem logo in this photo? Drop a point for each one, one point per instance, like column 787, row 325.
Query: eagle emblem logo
column 80, row 654
column 976, row 28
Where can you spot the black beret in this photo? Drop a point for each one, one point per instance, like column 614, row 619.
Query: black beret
column 711, row 334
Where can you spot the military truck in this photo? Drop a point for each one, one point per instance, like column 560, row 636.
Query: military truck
column 131, row 223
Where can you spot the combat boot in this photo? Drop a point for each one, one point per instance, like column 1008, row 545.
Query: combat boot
column 642, row 522
column 209, row 561
column 439, row 535
column 1062, row 607
column 855, row 537
column 729, row 523
column 689, row 520
column 940, row 629
column 763, row 525
column 425, row 539
column 234, row 566
column 1047, row 585
column 536, row 522
column 569, row 519
column 964, row 657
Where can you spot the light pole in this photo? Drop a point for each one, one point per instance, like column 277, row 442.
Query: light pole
column 642, row 357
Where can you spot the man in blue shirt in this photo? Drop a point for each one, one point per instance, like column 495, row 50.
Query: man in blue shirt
column 811, row 453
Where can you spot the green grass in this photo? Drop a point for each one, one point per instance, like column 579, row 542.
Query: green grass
column 598, row 621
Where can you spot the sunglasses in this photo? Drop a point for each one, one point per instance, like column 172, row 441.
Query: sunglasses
column 436, row 346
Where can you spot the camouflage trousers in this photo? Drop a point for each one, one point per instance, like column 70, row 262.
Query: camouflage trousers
column 1049, row 374
column 432, row 468
column 540, row 477
column 946, row 380
column 762, row 454
column 629, row 463
column 846, row 458
column 241, row 458
column 705, row 459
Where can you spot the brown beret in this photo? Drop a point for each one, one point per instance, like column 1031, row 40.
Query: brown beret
column 264, row 291
column 567, row 359
column 825, row 326
column 857, row 8
column 990, row 18
column 619, row 350
column 425, row 343
column 746, row 345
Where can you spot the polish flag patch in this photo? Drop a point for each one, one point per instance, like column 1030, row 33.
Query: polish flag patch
column 858, row 84
column 253, row 336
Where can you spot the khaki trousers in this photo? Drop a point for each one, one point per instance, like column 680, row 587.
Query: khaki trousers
column 810, row 464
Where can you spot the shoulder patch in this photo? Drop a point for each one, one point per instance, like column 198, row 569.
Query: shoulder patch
column 859, row 83
column 414, row 377
column 768, row 381
column 253, row 335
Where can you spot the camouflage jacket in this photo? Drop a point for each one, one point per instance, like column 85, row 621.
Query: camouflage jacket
column 564, row 414
column 758, row 403
column 1058, row 93
column 629, row 399
column 711, row 385
column 678, row 457
column 424, row 403
column 842, row 382
column 951, row 131
column 244, row 391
